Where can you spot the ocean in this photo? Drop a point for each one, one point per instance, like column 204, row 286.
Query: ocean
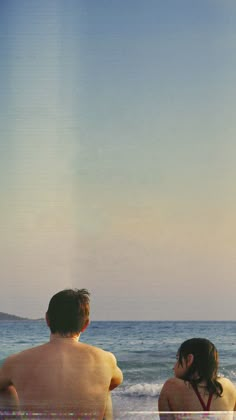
column 145, row 352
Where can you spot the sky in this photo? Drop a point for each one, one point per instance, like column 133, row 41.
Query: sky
column 117, row 157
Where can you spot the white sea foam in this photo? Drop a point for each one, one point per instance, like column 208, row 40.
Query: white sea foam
column 141, row 390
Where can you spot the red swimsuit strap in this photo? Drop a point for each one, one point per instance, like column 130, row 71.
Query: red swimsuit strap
column 204, row 406
column 209, row 402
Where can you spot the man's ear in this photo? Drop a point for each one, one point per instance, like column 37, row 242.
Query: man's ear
column 190, row 359
column 47, row 319
column 85, row 325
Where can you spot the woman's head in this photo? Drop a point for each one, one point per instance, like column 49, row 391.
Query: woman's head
column 197, row 361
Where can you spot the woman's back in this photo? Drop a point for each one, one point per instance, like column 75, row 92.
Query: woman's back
column 196, row 386
column 179, row 395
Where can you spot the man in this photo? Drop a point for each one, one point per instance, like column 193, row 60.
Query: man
column 63, row 375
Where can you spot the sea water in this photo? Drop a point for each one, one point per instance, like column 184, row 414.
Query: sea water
column 145, row 352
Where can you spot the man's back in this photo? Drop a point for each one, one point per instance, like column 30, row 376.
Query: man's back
column 63, row 375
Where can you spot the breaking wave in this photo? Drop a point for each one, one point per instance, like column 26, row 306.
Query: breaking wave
column 141, row 390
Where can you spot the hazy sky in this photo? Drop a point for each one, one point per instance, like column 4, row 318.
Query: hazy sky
column 117, row 157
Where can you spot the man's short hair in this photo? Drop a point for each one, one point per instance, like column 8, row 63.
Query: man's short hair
column 68, row 311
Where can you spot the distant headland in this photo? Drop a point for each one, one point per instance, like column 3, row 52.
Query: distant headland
column 8, row 317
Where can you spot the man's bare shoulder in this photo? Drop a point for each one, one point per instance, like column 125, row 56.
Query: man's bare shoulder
column 27, row 352
column 99, row 352
column 16, row 358
column 8, row 363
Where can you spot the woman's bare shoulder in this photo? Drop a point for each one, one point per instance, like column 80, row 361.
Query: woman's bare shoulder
column 174, row 384
column 226, row 383
column 173, row 394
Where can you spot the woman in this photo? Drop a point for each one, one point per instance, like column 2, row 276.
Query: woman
column 197, row 386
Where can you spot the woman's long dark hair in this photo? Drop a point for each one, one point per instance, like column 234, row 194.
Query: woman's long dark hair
column 204, row 366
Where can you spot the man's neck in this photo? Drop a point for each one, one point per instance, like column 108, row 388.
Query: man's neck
column 72, row 338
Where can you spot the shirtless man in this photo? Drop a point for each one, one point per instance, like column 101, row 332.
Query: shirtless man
column 63, row 375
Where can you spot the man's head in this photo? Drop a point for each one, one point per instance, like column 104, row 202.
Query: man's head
column 68, row 312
